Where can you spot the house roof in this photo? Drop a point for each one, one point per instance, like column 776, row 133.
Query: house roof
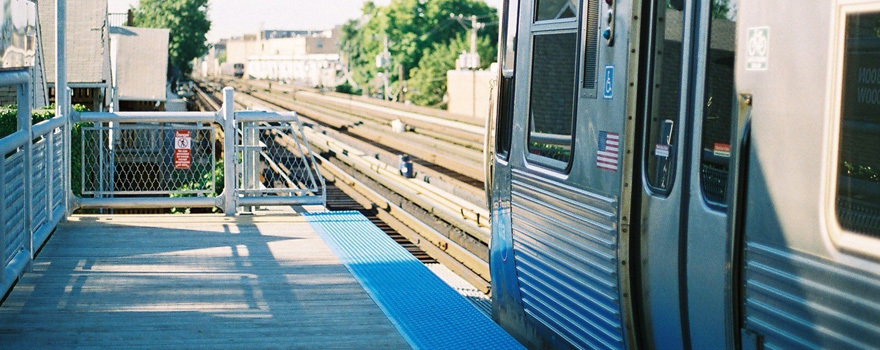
column 88, row 60
column 140, row 62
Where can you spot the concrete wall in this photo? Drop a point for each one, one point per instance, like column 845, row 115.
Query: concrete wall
column 469, row 92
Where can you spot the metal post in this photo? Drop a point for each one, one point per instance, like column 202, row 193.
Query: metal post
column 250, row 155
column 50, row 175
column 24, row 124
column 3, row 219
column 62, row 96
column 229, row 142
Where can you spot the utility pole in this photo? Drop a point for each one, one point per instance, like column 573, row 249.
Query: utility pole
column 383, row 60
column 387, row 61
column 402, row 86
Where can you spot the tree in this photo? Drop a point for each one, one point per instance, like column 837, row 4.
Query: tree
column 188, row 22
column 428, row 83
column 415, row 29
column 721, row 9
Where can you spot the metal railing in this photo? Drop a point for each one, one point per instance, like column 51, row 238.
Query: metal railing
column 165, row 160
column 32, row 188
column 144, row 160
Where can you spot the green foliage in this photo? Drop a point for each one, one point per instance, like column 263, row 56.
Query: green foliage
column 204, row 182
column 428, row 82
column 188, row 22
column 346, row 88
column 222, row 57
column 415, row 29
column 861, row 172
column 721, row 9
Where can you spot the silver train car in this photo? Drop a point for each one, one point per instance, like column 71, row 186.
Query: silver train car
column 687, row 174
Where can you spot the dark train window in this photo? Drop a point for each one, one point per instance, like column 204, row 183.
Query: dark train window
column 858, row 183
column 665, row 96
column 718, row 105
column 504, row 121
column 556, row 9
column 551, row 115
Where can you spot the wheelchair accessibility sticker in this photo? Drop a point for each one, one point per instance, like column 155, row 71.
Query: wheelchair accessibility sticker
column 608, row 90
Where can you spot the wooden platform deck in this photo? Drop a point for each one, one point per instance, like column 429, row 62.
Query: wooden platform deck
column 191, row 282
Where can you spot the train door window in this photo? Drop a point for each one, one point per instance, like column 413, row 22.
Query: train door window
column 553, row 83
column 555, row 9
column 665, row 95
column 718, row 104
column 857, row 201
column 510, row 28
column 504, row 122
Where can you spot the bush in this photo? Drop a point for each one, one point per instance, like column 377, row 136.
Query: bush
column 346, row 88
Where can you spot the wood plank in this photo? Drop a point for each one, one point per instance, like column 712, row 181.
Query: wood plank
column 201, row 281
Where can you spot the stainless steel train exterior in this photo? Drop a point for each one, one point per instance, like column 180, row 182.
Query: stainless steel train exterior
column 687, row 174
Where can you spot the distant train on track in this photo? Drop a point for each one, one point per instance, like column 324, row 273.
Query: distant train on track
column 687, row 174
column 232, row 70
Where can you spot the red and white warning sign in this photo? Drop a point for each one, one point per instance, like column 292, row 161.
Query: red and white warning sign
column 182, row 149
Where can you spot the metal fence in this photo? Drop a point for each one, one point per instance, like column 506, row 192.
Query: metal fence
column 164, row 160
column 272, row 167
column 143, row 159
column 32, row 188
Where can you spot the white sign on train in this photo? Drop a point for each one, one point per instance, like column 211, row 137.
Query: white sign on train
column 758, row 55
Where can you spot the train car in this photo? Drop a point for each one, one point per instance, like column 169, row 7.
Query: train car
column 687, row 174
column 238, row 70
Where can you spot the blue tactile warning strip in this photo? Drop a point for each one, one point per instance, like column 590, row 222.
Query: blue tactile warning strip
column 427, row 312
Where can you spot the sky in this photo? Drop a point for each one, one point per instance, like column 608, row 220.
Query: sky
column 237, row 17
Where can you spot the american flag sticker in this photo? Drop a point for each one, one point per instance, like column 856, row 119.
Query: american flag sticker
column 609, row 147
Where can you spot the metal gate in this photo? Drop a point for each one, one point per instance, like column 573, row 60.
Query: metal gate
column 189, row 160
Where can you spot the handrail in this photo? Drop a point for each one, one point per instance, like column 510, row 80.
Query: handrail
column 48, row 126
column 146, row 117
column 262, row 116
column 12, row 142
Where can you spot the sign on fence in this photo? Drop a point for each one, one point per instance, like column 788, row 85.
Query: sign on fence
column 182, row 149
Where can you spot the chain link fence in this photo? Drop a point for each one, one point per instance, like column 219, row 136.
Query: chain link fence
column 150, row 159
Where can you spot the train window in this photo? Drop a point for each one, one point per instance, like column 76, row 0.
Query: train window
column 719, row 106
column 858, row 184
column 556, row 9
column 511, row 22
column 552, row 96
column 665, row 96
column 504, row 121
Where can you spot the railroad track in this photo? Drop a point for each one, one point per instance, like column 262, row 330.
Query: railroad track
column 457, row 241
column 450, row 148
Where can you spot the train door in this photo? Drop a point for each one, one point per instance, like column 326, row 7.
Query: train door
column 564, row 264
column 661, row 225
column 811, row 274
column 687, row 105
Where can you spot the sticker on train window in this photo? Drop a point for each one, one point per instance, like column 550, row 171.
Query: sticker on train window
column 721, row 150
column 662, row 151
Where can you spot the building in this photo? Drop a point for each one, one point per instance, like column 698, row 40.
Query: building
column 139, row 66
column 21, row 48
column 469, row 92
column 307, row 57
column 88, row 51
